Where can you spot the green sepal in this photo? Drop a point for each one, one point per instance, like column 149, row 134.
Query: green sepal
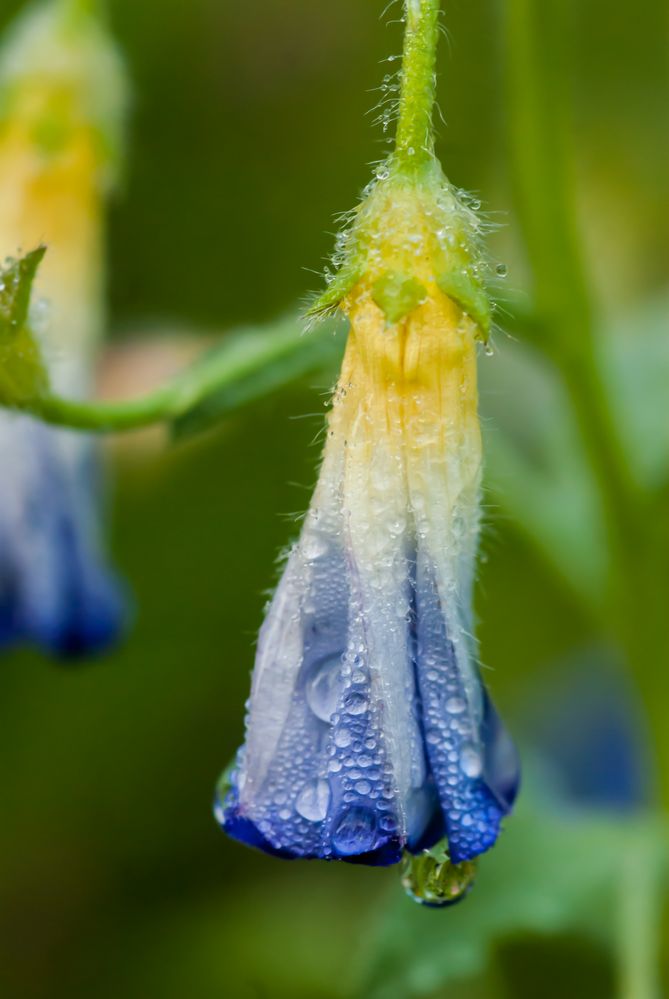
column 397, row 295
column 471, row 296
column 342, row 285
column 23, row 374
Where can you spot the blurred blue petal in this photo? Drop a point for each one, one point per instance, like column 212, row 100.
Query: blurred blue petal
column 56, row 590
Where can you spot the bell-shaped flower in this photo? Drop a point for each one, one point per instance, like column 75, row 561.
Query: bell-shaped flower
column 61, row 103
column 369, row 729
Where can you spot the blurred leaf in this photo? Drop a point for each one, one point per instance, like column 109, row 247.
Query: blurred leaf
column 536, row 468
column 16, row 281
column 636, row 363
column 247, row 367
column 23, row 375
column 552, row 874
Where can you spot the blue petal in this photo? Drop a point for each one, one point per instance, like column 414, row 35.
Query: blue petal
column 327, row 790
column 55, row 590
column 472, row 761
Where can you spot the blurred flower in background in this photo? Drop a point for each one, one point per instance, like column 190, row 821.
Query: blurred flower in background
column 62, row 98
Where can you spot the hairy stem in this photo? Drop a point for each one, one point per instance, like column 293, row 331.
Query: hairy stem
column 414, row 142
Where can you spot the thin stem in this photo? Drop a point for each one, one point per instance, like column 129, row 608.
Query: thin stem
column 414, row 142
column 639, row 945
column 536, row 84
column 635, row 609
column 107, row 417
column 245, row 368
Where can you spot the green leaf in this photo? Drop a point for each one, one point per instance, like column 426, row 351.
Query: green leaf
column 248, row 367
column 16, row 281
column 554, row 872
column 537, row 469
column 23, row 374
column 635, row 357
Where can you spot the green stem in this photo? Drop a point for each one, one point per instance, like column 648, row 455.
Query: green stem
column 642, row 885
column 414, row 142
column 536, row 83
column 243, row 369
column 635, row 618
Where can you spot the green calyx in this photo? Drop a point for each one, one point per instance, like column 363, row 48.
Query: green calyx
column 411, row 231
column 23, row 374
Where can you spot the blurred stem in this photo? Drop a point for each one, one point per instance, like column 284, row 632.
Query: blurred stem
column 414, row 141
column 536, row 40
column 535, row 33
column 77, row 8
column 642, row 885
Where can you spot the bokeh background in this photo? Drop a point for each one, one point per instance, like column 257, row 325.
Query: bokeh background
column 249, row 132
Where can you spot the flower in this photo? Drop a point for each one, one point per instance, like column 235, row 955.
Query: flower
column 369, row 730
column 61, row 104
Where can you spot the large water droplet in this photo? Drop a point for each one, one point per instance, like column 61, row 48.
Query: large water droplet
column 322, row 690
column 314, row 545
column 356, row 704
column 471, row 762
column 313, row 800
column 431, row 879
column 355, row 832
column 342, row 738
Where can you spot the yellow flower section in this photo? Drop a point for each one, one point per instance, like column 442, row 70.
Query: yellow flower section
column 50, row 193
column 416, row 377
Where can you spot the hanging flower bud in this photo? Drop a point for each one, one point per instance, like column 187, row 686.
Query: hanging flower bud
column 61, row 106
column 369, row 730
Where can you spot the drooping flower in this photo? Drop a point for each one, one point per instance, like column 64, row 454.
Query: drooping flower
column 61, row 104
column 369, row 729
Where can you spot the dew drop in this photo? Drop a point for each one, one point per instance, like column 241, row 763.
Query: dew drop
column 342, row 738
column 471, row 763
column 322, row 689
column 354, row 832
column 356, row 704
column 313, row 800
column 455, row 705
column 501, row 270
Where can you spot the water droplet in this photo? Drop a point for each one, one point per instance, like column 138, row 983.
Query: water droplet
column 342, row 738
column 471, row 762
column 356, row 704
column 313, row 544
column 322, row 689
column 382, row 172
column 431, row 878
column 501, row 270
column 354, row 832
column 455, row 705
column 313, row 800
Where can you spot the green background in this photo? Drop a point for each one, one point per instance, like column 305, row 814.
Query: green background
column 249, row 132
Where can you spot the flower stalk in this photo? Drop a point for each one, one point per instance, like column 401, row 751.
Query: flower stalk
column 414, row 142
